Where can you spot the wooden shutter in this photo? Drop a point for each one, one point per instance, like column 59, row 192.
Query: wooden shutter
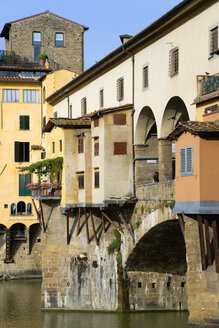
column 17, row 152
column 26, row 152
column 27, row 181
column 26, row 122
column 120, row 148
column 22, row 123
column 182, row 161
column 22, row 186
column 119, row 119
column 189, row 160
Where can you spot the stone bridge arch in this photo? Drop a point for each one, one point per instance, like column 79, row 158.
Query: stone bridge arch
column 156, row 263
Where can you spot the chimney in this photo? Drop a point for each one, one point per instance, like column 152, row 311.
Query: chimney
column 125, row 37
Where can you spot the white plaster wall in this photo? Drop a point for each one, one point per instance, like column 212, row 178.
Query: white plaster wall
column 192, row 38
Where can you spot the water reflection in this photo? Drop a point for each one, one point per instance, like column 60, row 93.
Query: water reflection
column 20, row 308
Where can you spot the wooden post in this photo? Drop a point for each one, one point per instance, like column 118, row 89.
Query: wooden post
column 113, row 223
column 215, row 239
column 207, row 240
column 37, row 212
column 41, row 209
column 67, row 226
column 182, row 224
column 8, row 258
column 103, row 223
column 126, row 224
column 79, row 219
column 202, row 245
column 86, row 223
column 93, row 226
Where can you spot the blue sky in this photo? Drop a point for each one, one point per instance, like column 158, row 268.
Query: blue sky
column 106, row 19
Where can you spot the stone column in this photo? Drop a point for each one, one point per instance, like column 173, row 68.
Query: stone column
column 165, row 160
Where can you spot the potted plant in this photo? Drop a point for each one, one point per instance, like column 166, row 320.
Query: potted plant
column 57, row 188
column 34, row 187
column 45, row 186
column 42, row 58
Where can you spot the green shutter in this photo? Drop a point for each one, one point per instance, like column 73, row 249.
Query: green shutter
column 22, row 186
column 24, row 179
column 27, row 180
column 17, row 151
column 22, row 123
column 26, row 124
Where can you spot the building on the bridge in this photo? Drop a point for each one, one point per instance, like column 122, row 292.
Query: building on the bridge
column 62, row 40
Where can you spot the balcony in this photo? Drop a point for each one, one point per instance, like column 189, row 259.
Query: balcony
column 45, row 193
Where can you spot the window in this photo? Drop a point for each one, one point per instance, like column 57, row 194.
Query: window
column 13, row 209
column 80, row 144
column 145, row 77
column 21, row 150
column 96, row 146
column 81, row 181
column 55, row 114
column 96, row 178
column 37, row 39
column 53, row 146
column 24, row 122
column 213, row 40
column 44, row 121
column 119, row 119
column 10, row 95
column 120, row 89
column 21, row 209
column 186, row 161
column 173, row 61
column 101, row 98
column 59, row 39
column 120, row 148
column 24, row 179
column 96, row 122
column 60, row 145
column 84, row 106
column 37, row 42
column 31, row 96
column 43, row 155
column 29, row 208
column 70, row 111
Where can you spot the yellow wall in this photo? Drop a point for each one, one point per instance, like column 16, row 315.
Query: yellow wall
column 9, row 133
column 200, row 108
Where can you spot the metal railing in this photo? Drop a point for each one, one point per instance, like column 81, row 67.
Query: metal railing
column 208, row 84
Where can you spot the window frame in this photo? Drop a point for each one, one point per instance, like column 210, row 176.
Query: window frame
column 212, row 50
column 83, row 106
column 21, row 152
column 80, row 179
column 174, row 62
column 80, row 144
column 7, row 95
column 96, row 178
column 96, row 146
column 24, row 179
column 29, row 95
column 37, row 43
column 145, row 86
column 120, row 89
column 101, row 98
column 24, row 121
column 55, row 41
column 188, row 161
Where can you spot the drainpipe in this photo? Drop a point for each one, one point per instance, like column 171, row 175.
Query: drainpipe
column 82, row 50
column 133, row 113
column 68, row 106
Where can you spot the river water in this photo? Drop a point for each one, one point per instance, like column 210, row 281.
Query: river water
column 20, row 308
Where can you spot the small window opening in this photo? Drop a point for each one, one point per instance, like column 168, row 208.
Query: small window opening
column 139, row 284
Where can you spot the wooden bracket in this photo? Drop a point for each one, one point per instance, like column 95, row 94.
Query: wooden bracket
column 86, row 223
column 182, row 224
column 93, row 226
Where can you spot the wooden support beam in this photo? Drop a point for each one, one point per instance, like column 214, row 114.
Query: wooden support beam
column 207, row 241
column 182, row 224
column 103, row 223
column 215, row 240
column 126, row 225
column 86, row 223
column 93, row 226
column 79, row 219
column 37, row 212
column 108, row 219
column 202, row 245
column 42, row 216
column 67, row 227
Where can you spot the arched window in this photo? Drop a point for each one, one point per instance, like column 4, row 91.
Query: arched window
column 21, row 208
column 29, row 208
column 13, row 209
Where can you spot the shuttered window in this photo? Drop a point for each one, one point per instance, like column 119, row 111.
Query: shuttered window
column 24, row 122
column 80, row 144
column 120, row 148
column 186, row 161
column 10, row 95
column 101, row 99
column 84, row 106
column 81, row 181
column 145, row 77
column 24, row 179
column 119, row 119
column 214, row 39
column 120, row 89
column 21, row 151
column 173, row 61
column 96, row 146
column 96, row 178
column 31, row 96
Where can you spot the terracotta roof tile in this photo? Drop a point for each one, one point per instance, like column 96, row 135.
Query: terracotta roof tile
column 17, row 79
column 196, row 128
column 108, row 110
column 67, row 123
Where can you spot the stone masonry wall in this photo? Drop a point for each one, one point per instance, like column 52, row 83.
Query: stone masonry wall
column 202, row 286
column 77, row 276
column 25, row 262
column 70, row 56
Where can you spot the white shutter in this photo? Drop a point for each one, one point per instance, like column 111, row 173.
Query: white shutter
column 182, row 161
column 189, row 160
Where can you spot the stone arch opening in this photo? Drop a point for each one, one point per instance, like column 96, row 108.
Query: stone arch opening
column 34, row 235
column 156, row 269
column 21, row 208
column 18, row 236
column 146, row 147
column 2, row 241
column 174, row 113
